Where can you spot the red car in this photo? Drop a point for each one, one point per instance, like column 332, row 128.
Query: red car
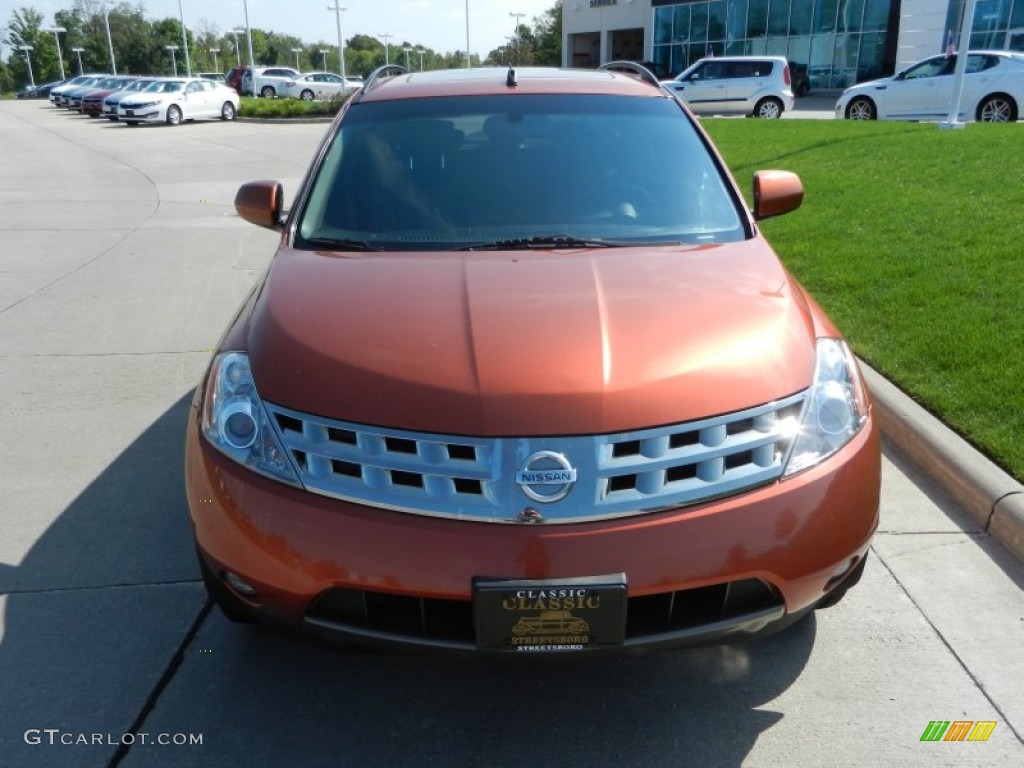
column 92, row 102
column 524, row 352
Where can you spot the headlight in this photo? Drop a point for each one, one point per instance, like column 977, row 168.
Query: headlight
column 235, row 422
column 835, row 410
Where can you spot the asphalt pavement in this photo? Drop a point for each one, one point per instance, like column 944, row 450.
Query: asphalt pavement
column 121, row 260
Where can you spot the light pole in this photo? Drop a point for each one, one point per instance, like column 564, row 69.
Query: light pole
column 174, row 61
column 215, row 51
column 468, row 56
column 60, row 57
column 78, row 53
column 238, row 50
column 517, row 17
column 407, row 50
column 248, row 36
column 338, row 8
column 184, row 40
column 387, row 57
column 323, row 54
column 110, row 41
column 297, row 51
column 420, row 52
column 28, row 60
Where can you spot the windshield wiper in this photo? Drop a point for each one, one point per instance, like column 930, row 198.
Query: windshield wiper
column 549, row 242
column 341, row 244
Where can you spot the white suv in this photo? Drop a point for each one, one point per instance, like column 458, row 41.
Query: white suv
column 267, row 81
column 748, row 85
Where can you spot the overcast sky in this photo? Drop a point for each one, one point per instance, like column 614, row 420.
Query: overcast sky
column 436, row 24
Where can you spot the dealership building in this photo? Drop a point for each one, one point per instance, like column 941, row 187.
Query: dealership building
column 840, row 42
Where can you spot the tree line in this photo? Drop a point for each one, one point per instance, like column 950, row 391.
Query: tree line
column 140, row 46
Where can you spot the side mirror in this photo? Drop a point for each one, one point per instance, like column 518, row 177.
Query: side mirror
column 776, row 192
column 260, row 203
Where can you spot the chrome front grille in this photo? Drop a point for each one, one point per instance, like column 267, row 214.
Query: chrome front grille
column 474, row 478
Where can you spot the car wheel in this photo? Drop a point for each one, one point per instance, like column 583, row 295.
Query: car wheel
column 227, row 112
column 111, row 118
column 768, row 108
column 131, row 122
column 173, row 115
column 267, row 92
column 861, row 108
column 307, row 95
column 998, row 108
column 232, row 608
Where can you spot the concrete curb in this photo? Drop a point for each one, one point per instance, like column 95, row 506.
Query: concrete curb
column 988, row 494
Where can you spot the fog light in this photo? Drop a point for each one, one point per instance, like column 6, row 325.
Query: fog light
column 840, row 573
column 240, row 585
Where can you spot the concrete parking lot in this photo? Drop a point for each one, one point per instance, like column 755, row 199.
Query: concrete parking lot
column 121, row 260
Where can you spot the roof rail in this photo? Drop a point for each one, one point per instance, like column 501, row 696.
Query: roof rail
column 388, row 70
column 632, row 68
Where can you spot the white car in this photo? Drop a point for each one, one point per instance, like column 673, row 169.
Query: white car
column 174, row 99
column 318, row 86
column 267, row 81
column 761, row 86
column 993, row 91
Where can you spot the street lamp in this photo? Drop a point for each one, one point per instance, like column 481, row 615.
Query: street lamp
column 60, row 57
column 386, row 37
column 338, row 8
column 297, row 51
column 78, row 52
column 248, row 35
column 468, row 56
column 517, row 17
column 174, row 62
column 420, row 52
column 28, row 60
column 238, row 50
column 407, row 50
column 110, row 41
column 323, row 53
column 184, row 41
column 215, row 51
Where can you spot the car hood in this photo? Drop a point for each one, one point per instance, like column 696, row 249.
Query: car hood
column 558, row 342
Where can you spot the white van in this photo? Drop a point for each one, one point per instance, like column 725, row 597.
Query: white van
column 746, row 85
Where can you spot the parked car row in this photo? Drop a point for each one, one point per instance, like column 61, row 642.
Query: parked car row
column 285, row 82
column 134, row 99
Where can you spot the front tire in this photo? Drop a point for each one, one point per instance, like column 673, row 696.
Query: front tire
column 268, row 92
column 307, row 95
column 173, row 115
column 227, row 112
column 861, row 108
column 768, row 108
column 997, row 108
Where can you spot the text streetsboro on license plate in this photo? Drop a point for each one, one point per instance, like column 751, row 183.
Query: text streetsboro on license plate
column 549, row 615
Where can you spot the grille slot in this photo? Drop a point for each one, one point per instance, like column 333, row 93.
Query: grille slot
column 474, row 478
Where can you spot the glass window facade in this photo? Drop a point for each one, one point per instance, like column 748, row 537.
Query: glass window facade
column 998, row 24
column 840, row 42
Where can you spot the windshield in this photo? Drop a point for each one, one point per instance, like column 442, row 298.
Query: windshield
column 165, row 86
column 446, row 173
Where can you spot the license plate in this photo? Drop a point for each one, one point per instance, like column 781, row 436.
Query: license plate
column 550, row 615
column 129, row 112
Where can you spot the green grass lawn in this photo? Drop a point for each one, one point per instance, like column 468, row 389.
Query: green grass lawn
column 912, row 239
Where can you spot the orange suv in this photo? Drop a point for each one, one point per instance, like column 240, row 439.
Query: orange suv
column 524, row 348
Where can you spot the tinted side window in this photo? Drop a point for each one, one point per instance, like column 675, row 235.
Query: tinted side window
column 750, row 68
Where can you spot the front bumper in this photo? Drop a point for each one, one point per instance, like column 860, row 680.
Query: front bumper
column 344, row 571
